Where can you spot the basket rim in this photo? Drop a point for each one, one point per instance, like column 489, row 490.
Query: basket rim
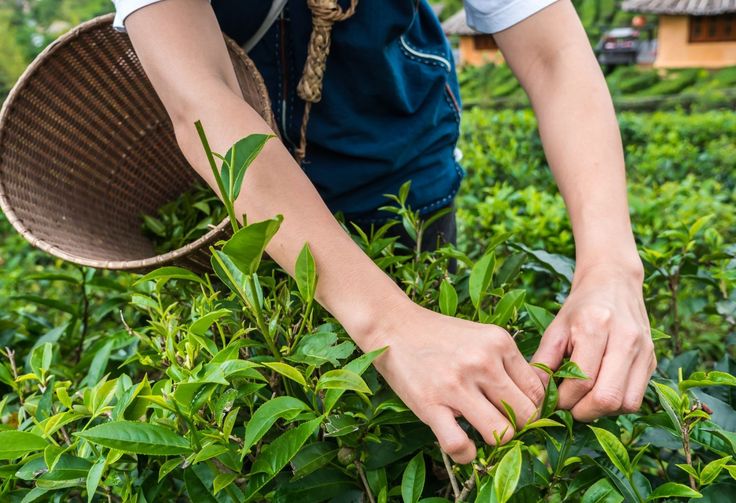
column 7, row 209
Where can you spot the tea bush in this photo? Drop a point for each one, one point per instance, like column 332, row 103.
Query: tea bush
column 237, row 386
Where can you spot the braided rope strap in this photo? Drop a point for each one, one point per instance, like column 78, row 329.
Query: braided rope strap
column 325, row 13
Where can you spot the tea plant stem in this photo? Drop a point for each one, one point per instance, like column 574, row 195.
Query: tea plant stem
column 674, row 284
column 85, row 316
column 260, row 320
column 467, row 487
column 223, row 194
column 688, row 455
column 11, row 359
column 359, row 467
column 451, row 473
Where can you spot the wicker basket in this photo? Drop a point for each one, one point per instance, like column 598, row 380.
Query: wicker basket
column 86, row 147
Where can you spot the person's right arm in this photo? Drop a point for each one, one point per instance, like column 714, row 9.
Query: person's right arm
column 439, row 366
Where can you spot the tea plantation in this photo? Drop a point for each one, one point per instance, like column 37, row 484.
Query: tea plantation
column 226, row 387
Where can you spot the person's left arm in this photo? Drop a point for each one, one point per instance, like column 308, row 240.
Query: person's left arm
column 603, row 324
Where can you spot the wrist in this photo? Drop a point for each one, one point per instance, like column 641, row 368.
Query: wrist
column 371, row 324
column 626, row 267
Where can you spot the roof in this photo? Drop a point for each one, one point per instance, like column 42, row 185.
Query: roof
column 681, row 7
column 457, row 24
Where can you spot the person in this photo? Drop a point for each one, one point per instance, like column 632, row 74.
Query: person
column 389, row 113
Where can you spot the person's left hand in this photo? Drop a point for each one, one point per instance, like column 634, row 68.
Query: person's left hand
column 604, row 328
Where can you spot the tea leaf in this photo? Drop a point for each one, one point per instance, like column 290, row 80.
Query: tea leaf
column 136, row 438
column 539, row 316
column 281, row 407
column 245, row 248
column 286, row 370
column 673, row 490
column 412, row 481
column 342, row 379
column 602, row 492
column 614, row 449
column 93, row 478
column 480, row 278
column 448, row 298
column 710, row 472
column 507, row 474
column 570, row 370
column 164, row 274
column 507, row 307
column 239, row 157
column 306, row 274
column 14, row 444
column 277, row 454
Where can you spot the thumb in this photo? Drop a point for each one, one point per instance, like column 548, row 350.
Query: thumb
column 453, row 440
column 551, row 351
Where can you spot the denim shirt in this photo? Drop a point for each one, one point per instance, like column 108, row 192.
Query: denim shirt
column 390, row 108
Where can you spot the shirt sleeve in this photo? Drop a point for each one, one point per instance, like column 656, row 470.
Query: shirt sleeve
column 491, row 16
column 124, row 8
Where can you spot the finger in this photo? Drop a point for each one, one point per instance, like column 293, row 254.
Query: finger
column 504, row 389
column 485, row 418
column 453, row 440
column 638, row 382
column 588, row 357
column 607, row 395
column 552, row 349
column 525, row 377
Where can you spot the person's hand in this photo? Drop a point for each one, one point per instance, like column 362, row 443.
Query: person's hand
column 444, row 367
column 603, row 327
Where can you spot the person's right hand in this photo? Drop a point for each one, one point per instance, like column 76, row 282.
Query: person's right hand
column 444, row 367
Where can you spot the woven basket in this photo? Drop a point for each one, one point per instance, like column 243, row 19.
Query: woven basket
column 86, row 147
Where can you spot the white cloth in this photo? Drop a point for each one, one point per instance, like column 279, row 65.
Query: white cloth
column 491, row 16
column 124, row 8
column 487, row 16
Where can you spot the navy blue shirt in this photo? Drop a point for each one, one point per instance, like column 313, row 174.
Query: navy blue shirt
column 390, row 108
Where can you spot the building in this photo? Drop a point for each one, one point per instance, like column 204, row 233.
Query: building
column 475, row 48
column 692, row 33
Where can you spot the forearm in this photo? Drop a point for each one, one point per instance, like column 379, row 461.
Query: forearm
column 350, row 285
column 580, row 134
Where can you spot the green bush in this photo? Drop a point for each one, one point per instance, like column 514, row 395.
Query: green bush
column 234, row 387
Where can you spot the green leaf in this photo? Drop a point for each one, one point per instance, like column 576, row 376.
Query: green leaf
column 14, row 444
column 196, row 489
column 239, row 157
column 99, row 364
column 673, row 490
column 480, row 278
column 551, row 396
column 222, row 480
column 570, row 370
column 306, row 274
column 412, row 482
column 507, row 307
column 701, row 379
column 342, row 379
column 448, row 298
column 602, row 492
column 137, row 438
column 359, row 365
column 507, row 474
column 539, row 316
column 274, row 456
column 200, row 326
column 170, row 272
column 319, row 348
column 659, row 335
column 228, row 272
column 246, row 247
column 614, row 449
column 282, row 407
column 286, row 370
column 313, row 457
column 710, row 472
column 670, row 402
column 93, row 478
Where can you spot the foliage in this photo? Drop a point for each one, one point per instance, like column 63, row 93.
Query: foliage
column 237, row 386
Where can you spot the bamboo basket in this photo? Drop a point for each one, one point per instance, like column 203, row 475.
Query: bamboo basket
column 86, row 147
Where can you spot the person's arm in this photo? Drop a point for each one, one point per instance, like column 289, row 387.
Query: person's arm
column 603, row 325
column 182, row 51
